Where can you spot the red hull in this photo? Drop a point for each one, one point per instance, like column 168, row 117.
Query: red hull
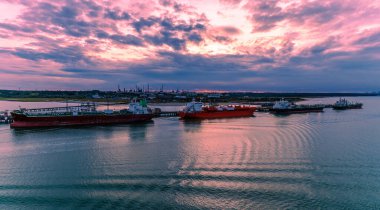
column 22, row 121
column 218, row 114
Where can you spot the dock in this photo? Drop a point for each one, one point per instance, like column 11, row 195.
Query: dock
column 5, row 118
column 166, row 114
column 267, row 108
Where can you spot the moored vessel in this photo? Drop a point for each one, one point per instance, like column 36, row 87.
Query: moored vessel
column 343, row 103
column 85, row 114
column 197, row 110
column 286, row 107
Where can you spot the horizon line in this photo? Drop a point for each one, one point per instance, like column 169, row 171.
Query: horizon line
column 198, row 91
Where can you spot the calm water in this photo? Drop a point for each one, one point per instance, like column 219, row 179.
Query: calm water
column 317, row 160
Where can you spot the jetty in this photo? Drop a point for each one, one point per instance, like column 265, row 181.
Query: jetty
column 166, row 114
column 263, row 108
column 5, row 117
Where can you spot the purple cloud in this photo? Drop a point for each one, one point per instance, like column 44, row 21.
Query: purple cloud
column 255, row 45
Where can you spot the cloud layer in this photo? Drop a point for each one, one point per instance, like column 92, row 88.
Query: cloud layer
column 263, row 45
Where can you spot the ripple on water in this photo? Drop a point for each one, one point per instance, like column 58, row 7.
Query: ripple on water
column 318, row 160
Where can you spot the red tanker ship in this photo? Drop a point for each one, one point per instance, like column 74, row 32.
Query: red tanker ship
column 196, row 110
column 85, row 114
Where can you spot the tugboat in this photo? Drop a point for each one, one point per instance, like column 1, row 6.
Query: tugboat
column 343, row 104
column 85, row 114
column 197, row 110
column 285, row 107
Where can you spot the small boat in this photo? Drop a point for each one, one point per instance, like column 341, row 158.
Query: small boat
column 343, row 104
column 286, row 107
column 197, row 110
column 85, row 114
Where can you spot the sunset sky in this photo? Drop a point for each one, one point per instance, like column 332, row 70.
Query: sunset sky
column 252, row 45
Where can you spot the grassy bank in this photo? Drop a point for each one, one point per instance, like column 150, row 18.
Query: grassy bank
column 59, row 100
column 33, row 99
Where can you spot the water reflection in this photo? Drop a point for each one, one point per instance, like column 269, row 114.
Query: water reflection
column 260, row 155
column 191, row 125
column 138, row 132
column 319, row 160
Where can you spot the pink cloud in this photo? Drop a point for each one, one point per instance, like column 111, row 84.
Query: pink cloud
column 80, row 40
column 230, row 2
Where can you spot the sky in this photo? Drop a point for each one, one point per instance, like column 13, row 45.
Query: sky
column 228, row 45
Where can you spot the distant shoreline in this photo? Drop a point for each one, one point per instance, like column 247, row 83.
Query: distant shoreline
column 33, row 99
column 169, row 103
column 162, row 98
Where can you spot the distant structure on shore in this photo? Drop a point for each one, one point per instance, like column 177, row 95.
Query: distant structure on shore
column 161, row 95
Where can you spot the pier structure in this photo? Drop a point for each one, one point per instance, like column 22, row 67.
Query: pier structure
column 5, row 117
